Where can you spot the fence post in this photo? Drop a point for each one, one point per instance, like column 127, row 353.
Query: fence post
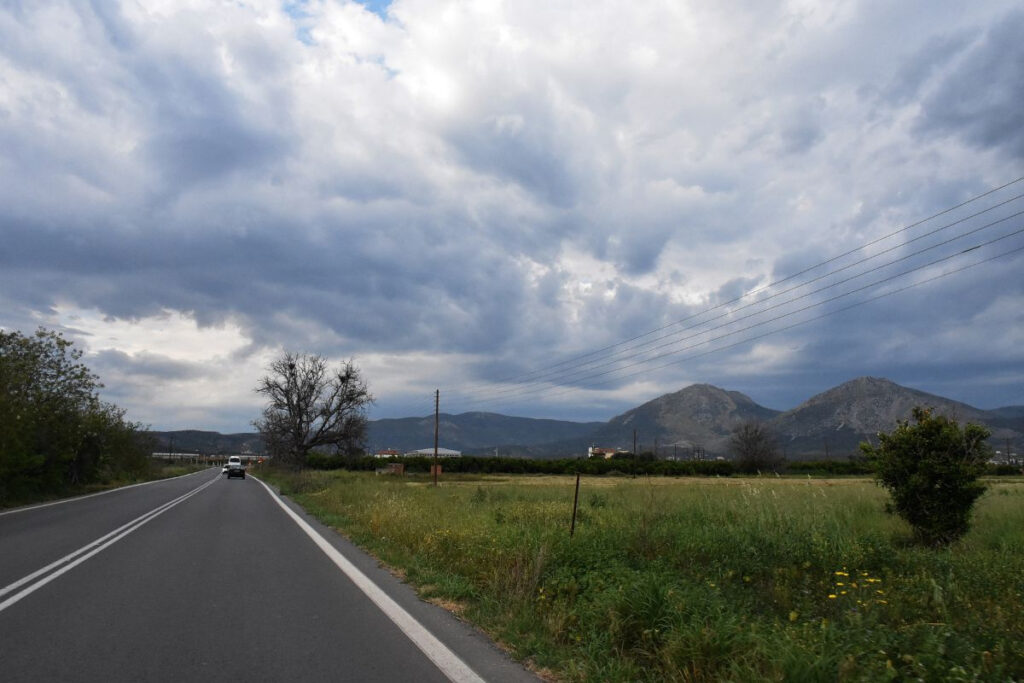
column 575, row 502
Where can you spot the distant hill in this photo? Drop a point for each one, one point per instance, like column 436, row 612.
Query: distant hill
column 1008, row 412
column 195, row 441
column 475, row 432
column 1009, row 417
column 834, row 422
column 831, row 424
column 700, row 415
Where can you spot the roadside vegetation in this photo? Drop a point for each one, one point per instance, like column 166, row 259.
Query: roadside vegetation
column 697, row 579
column 57, row 438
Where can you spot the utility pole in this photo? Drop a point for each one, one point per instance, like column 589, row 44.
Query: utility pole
column 437, row 422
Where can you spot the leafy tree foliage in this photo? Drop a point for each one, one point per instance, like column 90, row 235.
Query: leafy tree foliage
column 755, row 448
column 931, row 470
column 55, row 432
column 311, row 408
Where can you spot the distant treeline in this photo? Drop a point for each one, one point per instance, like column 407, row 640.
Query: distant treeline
column 492, row 465
column 668, row 468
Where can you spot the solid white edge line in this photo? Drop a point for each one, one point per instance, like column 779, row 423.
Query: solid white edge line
column 93, row 495
column 148, row 517
column 443, row 658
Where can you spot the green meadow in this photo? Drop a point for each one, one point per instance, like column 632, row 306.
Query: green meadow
column 697, row 579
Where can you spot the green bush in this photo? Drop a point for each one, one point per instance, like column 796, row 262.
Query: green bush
column 931, row 470
column 852, row 466
column 56, row 435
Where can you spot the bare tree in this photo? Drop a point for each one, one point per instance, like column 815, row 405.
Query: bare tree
column 755, row 448
column 311, row 407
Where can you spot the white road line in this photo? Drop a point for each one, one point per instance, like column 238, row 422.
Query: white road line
column 447, row 661
column 92, row 495
column 90, row 549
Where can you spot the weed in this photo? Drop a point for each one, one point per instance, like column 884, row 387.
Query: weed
column 698, row 579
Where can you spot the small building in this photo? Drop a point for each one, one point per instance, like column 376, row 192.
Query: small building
column 388, row 453
column 429, row 452
column 604, row 453
column 179, row 456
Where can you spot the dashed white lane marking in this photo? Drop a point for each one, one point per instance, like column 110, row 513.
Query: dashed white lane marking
column 443, row 658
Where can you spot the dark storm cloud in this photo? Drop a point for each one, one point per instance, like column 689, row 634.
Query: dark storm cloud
column 391, row 289
column 146, row 366
column 197, row 148
column 916, row 71
column 496, row 189
column 530, row 152
column 980, row 97
column 734, row 289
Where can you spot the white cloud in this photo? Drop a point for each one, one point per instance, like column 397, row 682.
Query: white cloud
column 451, row 191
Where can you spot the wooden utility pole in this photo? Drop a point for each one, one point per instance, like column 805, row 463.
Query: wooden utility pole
column 437, row 422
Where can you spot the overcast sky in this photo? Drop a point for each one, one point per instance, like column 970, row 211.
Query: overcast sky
column 471, row 196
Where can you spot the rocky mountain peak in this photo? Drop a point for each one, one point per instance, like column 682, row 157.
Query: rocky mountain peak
column 700, row 414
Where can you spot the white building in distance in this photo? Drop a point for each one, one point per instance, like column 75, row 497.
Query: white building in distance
column 441, row 453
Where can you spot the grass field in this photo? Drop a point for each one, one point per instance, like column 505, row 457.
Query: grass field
column 698, row 579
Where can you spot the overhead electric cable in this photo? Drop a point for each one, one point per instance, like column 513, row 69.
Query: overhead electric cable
column 777, row 282
column 809, row 320
column 525, row 392
column 649, row 345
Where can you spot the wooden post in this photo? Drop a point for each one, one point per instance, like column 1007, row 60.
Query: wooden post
column 575, row 502
column 437, row 417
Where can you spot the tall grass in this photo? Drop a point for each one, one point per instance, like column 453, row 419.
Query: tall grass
column 699, row 580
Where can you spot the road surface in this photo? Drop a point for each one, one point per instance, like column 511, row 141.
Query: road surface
column 201, row 578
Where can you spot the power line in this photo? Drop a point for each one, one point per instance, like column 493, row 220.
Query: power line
column 782, row 316
column 817, row 317
column 523, row 377
column 631, row 352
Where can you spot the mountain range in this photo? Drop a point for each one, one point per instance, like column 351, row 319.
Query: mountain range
column 699, row 418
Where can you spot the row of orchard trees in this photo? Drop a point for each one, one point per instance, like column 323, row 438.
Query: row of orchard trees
column 55, row 432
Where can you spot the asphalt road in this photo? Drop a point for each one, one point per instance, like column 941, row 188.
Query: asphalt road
column 201, row 578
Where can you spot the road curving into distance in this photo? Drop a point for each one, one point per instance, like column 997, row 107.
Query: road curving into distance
column 202, row 578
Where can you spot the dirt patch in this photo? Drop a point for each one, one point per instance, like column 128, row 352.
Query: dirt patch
column 456, row 608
